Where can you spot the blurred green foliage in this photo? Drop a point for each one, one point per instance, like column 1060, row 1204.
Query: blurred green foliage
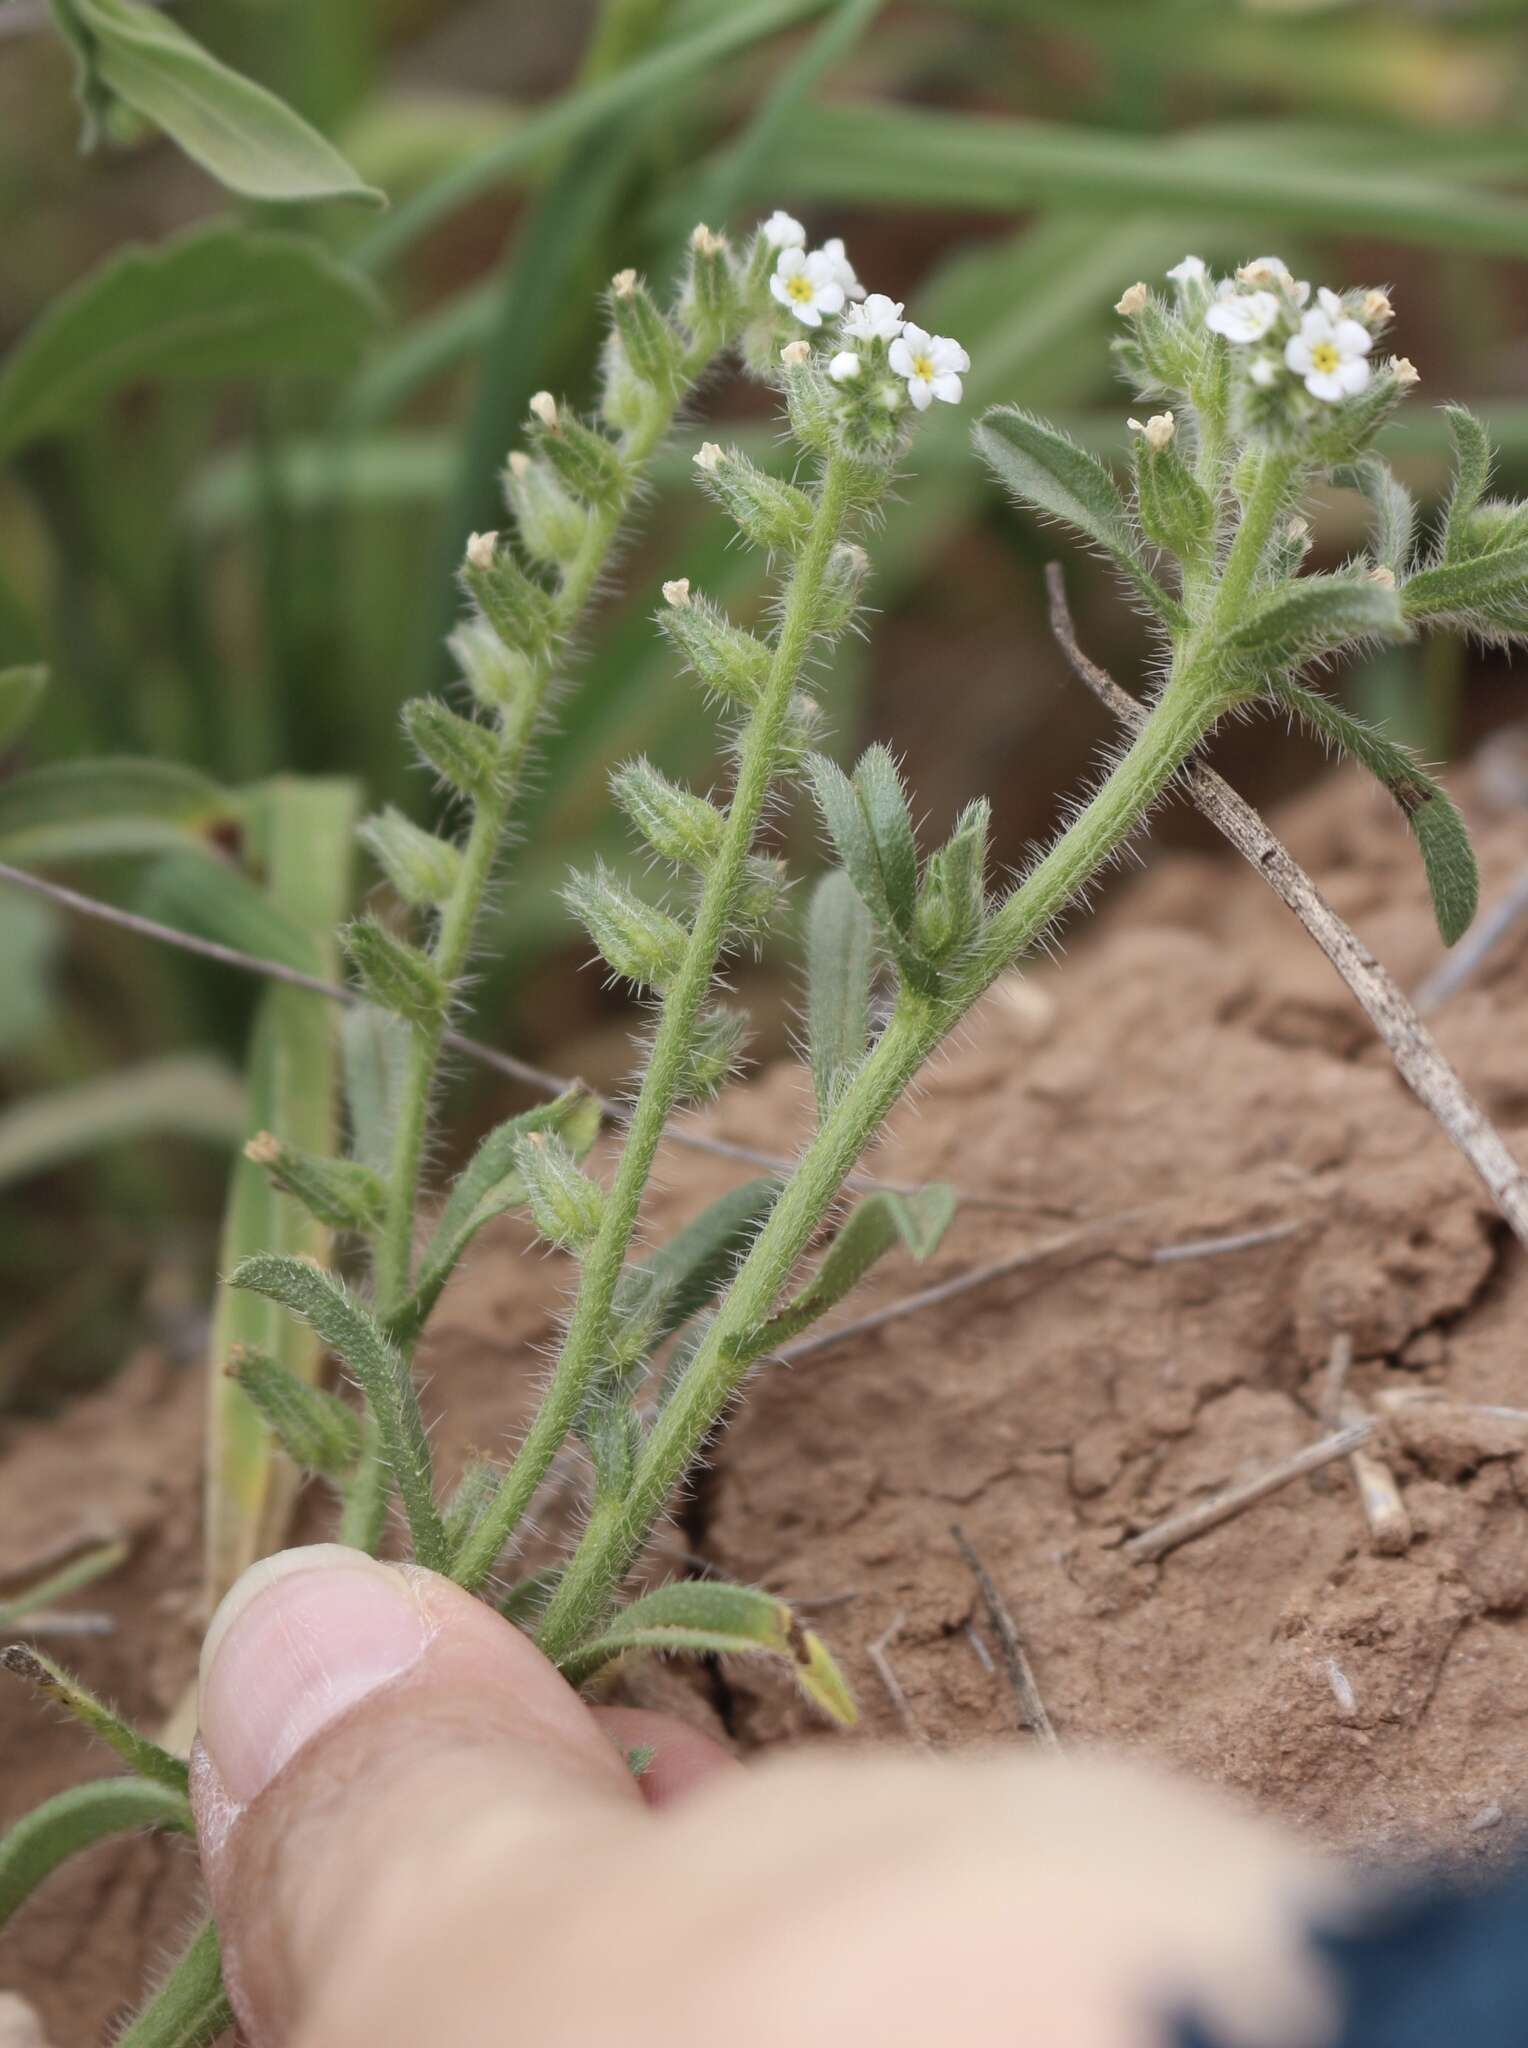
column 233, row 542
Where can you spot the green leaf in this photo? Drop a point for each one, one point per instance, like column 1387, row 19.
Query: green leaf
column 1442, row 838
column 1314, row 616
column 683, row 1276
column 211, row 303
column 184, row 1095
column 107, row 809
column 374, row 1050
column 487, row 1185
column 849, row 826
column 399, row 978
column 1395, row 512
column 33, row 1847
column 191, row 2008
column 381, row 1372
column 142, row 1756
column 1045, row 470
column 317, row 1432
column 212, row 899
column 884, row 803
column 1486, row 594
column 21, row 692
column 248, row 139
column 883, row 1220
column 70, row 1578
column 707, row 1616
column 840, row 969
column 1472, row 474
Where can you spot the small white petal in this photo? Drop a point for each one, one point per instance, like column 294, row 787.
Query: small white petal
column 1353, row 339
column 830, row 298
column 480, row 549
column 544, row 408
column 1191, row 270
column 948, row 387
column 878, row 319
column 845, row 366
column 900, row 354
column 1263, row 371
column 1297, row 353
column 781, row 232
column 1353, row 375
column 921, row 392
column 1330, row 304
column 1325, row 385
column 708, row 456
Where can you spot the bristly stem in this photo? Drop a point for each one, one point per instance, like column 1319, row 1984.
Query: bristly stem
column 617, row 1530
column 663, row 1082
column 457, row 926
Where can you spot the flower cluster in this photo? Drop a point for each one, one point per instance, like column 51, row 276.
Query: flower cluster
column 886, row 359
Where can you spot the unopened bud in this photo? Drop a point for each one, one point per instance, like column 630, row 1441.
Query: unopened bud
column 708, row 457
column 480, row 548
column 1297, row 531
column 1132, row 301
column 1377, row 307
column 263, row 1149
column 795, row 353
column 1157, row 432
column 624, row 283
column 519, row 463
column 1405, row 372
column 704, row 242
column 544, row 408
column 1382, row 575
column 677, row 592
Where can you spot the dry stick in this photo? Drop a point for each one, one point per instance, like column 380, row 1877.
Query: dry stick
column 1224, row 1507
column 1461, row 965
column 471, row 1048
column 1384, row 1511
column 876, row 1652
column 1420, row 1064
column 1021, row 1677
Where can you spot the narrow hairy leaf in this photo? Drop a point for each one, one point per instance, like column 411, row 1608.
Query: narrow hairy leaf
column 104, row 809
column 1395, row 512
column 840, row 969
column 138, row 1752
column 34, row 1846
column 1442, row 838
column 882, row 1221
column 248, row 139
column 374, row 1051
column 1314, row 616
column 317, row 1432
column 884, row 803
column 708, row 1616
column 381, row 1372
column 211, row 303
column 1486, row 593
column 490, row 1183
column 1045, row 470
column 1472, row 474
column 191, row 2008
column 21, row 692
column 685, row 1275
column 184, row 1095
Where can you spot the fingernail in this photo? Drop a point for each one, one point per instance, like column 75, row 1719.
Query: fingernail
column 298, row 1640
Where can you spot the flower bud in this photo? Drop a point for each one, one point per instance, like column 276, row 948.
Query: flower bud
column 709, row 304
column 727, row 660
column 715, row 1050
column 462, row 752
column 551, row 524
column 770, row 513
column 843, row 579
column 423, row 869
column 317, row 1432
column 678, row 825
column 517, row 607
column 494, row 673
column 587, row 462
column 652, row 347
column 565, row 1204
column 760, row 895
column 338, row 1192
column 397, row 977
column 640, row 942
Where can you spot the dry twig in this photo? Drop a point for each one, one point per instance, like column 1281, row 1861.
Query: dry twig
column 1021, row 1677
column 1418, row 1060
column 877, row 1653
column 1224, row 1507
column 1384, row 1511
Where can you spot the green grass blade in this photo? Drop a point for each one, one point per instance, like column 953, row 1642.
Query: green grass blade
column 186, row 1095
column 35, row 1845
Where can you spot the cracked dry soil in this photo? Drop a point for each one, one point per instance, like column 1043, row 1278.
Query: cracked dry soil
column 1194, row 1068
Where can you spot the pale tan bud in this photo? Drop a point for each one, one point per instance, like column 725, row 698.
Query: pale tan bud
column 704, row 242
column 544, row 408
column 1132, row 301
column 1157, row 432
column 1405, row 372
column 1381, row 575
column 624, row 283
column 480, row 549
column 519, row 463
column 263, row 1149
column 677, row 593
column 1377, row 308
column 795, row 353
column 708, row 456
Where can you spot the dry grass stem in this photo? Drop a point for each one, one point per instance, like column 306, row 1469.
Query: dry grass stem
column 1032, row 1712
column 1225, row 1507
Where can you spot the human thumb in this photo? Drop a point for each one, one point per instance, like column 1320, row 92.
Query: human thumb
column 372, row 1743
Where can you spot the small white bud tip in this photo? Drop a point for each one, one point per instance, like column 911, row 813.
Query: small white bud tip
column 263, row 1149
column 845, row 366
column 1297, row 531
column 795, row 353
column 544, row 408
column 1405, row 372
column 519, row 463
column 704, row 242
column 1381, row 575
column 624, row 283
column 1157, row 432
column 677, row 593
column 1132, row 301
column 708, row 457
column 1377, row 308
column 480, row 549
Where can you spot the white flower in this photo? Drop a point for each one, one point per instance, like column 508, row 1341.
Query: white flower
column 932, row 365
column 878, row 319
column 1158, row 431
column 1192, row 270
column 1243, row 316
column 1263, row 371
column 1132, row 301
column 677, row 593
column 480, row 549
column 1273, row 273
column 843, row 269
column 781, row 232
column 1330, row 352
column 845, row 366
column 1405, row 372
column 796, row 354
column 806, row 285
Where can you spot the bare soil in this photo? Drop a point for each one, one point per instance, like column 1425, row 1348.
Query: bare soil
column 1193, row 1071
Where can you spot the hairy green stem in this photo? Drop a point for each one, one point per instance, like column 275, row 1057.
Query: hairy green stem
column 585, row 1343
column 458, row 921
column 617, row 1530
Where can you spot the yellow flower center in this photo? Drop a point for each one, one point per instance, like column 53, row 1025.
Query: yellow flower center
column 923, row 366
column 800, row 288
column 1324, row 357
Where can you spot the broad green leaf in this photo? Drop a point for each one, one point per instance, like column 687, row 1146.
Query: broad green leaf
column 350, row 1331
column 487, row 1185
column 889, row 155
column 248, row 139
column 69, row 1578
column 1314, row 616
column 34, row 1846
column 1485, row 594
column 883, row 1220
column 1472, row 474
column 124, row 805
column 21, row 692
column 210, row 303
column 1442, row 838
column 706, row 1616
column 183, row 1095
column 840, row 948
column 191, row 2008
column 1045, row 470
column 212, row 899
column 142, row 1756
